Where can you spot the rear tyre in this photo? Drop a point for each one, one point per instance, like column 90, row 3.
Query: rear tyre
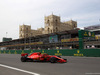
column 53, row 60
column 23, row 59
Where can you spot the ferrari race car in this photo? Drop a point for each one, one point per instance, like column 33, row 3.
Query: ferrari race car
column 37, row 56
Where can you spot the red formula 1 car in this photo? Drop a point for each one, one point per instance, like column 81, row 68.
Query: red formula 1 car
column 37, row 56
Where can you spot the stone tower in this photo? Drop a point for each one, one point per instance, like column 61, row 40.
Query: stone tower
column 24, row 31
column 52, row 24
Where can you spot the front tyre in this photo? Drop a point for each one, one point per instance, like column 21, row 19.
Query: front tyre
column 65, row 60
column 23, row 59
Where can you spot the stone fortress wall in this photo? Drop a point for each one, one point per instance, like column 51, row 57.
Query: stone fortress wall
column 52, row 24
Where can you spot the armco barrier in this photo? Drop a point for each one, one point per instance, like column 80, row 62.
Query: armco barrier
column 64, row 52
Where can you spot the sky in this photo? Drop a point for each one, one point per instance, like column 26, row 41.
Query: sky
column 32, row 12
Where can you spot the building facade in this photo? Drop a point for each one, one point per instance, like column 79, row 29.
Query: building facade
column 52, row 24
column 26, row 31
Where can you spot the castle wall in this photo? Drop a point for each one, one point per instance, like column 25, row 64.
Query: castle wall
column 52, row 25
column 35, row 32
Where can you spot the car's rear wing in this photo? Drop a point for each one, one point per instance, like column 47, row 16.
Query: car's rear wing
column 24, row 54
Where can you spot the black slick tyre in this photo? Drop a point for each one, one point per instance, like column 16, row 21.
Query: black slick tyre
column 23, row 59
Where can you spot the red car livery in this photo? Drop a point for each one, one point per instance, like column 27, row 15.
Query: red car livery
column 37, row 56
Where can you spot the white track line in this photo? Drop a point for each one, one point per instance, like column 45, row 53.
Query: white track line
column 93, row 73
column 19, row 69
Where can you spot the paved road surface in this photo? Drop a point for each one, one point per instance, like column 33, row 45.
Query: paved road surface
column 74, row 66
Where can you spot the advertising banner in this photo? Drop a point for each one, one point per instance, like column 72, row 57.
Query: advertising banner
column 53, row 39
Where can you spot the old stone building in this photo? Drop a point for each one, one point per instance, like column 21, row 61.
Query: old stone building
column 26, row 31
column 52, row 24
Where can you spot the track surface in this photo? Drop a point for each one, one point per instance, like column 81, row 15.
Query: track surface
column 74, row 66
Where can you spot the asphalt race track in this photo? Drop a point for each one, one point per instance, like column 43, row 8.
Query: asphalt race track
column 10, row 64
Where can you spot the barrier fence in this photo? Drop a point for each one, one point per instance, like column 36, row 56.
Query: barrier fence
column 64, row 52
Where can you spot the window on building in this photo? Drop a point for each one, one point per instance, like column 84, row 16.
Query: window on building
column 48, row 30
column 20, row 29
column 47, row 24
column 56, row 29
column 26, row 35
column 51, row 31
column 56, row 22
column 21, row 35
column 74, row 25
column 48, row 21
column 26, row 28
